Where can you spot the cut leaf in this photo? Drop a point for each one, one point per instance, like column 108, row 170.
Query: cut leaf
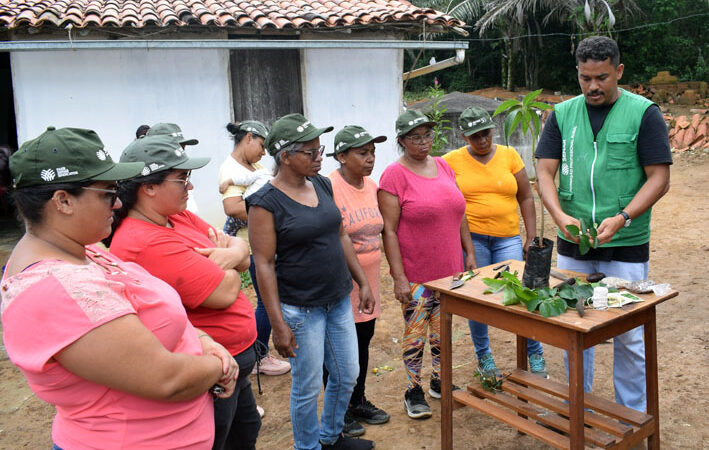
column 573, row 229
column 509, row 297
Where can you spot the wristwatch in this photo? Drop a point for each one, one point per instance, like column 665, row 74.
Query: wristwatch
column 626, row 217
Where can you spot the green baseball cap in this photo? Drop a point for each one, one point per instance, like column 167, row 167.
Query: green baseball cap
column 289, row 129
column 254, row 127
column 474, row 119
column 408, row 120
column 160, row 153
column 170, row 129
column 66, row 155
column 353, row 136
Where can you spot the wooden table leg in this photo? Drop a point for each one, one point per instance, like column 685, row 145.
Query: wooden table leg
column 446, row 382
column 653, row 406
column 521, row 352
column 576, row 403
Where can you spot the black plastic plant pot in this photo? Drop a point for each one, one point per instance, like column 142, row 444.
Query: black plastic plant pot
column 538, row 265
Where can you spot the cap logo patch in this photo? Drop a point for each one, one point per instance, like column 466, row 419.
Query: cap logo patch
column 178, row 152
column 101, row 155
column 359, row 135
column 64, row 172
column 303, row 127
column 155, row 166
column 145, row 171
column 340, row 144
column 47, row 175
column 475, row 122
column 176, row 134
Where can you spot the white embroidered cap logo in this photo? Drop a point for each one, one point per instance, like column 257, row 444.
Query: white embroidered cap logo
column 145, row 171
column 178, row 152
column 101, row 155
column 47, row 174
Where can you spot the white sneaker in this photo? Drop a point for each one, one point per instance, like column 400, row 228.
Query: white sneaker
column 270, row 365
column 260, row 410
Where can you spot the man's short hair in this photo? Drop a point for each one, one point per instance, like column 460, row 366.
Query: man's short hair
column 598, row 48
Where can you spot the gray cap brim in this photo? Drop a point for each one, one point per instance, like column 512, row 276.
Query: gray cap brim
column 120, row 171
column 193, row 163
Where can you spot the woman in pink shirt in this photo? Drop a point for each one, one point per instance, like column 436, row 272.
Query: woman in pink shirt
column 424, row 231
column 101, row 339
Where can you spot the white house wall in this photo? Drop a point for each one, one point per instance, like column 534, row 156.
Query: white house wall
column 115, row 91
column 354, row 87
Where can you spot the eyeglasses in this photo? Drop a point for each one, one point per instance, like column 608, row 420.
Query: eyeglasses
column 184, row 181
column 111, row 194
column 314, row 153
column 419, row 139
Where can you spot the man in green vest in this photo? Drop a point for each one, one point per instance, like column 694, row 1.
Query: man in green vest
column 613, row 156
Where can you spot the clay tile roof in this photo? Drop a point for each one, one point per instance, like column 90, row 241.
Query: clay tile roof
column 255, row 14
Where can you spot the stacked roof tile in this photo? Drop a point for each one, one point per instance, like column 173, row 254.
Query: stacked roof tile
column 254, row 14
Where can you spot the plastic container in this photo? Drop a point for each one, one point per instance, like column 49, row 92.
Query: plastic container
column 600, row 297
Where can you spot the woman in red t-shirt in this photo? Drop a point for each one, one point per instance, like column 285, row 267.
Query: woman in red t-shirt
column 155, row 230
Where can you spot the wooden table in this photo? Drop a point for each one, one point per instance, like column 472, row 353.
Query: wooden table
column 527, row 401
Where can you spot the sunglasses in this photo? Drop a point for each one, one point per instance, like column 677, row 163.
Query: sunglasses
column 314, row 153
column 111, row 194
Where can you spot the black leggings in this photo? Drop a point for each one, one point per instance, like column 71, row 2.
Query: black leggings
column 365, row 331
column 237, row 422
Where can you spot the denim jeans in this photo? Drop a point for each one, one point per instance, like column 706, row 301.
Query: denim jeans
column 263, row 325
column 628, row 348
column 324, row 334
column 491, row 250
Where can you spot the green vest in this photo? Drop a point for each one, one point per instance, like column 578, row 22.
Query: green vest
column 598, row 179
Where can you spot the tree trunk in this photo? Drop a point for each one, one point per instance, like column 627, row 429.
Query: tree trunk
column 510, row 64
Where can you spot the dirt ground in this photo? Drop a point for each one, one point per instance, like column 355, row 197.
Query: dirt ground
column 679, row 256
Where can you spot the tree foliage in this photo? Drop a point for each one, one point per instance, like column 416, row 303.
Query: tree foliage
column 530, row 43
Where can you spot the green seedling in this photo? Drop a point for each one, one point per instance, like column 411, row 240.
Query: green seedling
column 587, row 235
column 491, row 382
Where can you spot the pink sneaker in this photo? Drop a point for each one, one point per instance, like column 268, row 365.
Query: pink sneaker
column 270, row 365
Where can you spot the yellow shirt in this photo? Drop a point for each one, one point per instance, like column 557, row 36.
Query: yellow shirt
column 490, row 190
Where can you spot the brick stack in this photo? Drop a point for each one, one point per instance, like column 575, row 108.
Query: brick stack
column 689, row 133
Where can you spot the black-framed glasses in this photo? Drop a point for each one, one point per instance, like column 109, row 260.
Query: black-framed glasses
column 313, row 153
column 184, row 181
column 419, row 139
column 111, row 194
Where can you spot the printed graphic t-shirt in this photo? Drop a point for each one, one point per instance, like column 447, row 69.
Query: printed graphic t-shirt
column 363, row 223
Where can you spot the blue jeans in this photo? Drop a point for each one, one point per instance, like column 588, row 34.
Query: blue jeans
column 491, row 250
column 263, row 325
column 324, row 334
column 628, row 348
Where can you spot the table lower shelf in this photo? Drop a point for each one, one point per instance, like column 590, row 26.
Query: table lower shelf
column 538, row 407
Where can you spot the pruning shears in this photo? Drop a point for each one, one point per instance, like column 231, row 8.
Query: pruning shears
column 461, row 278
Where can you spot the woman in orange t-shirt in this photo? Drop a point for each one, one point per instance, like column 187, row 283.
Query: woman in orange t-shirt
column 494, row 183
column 356, row 197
